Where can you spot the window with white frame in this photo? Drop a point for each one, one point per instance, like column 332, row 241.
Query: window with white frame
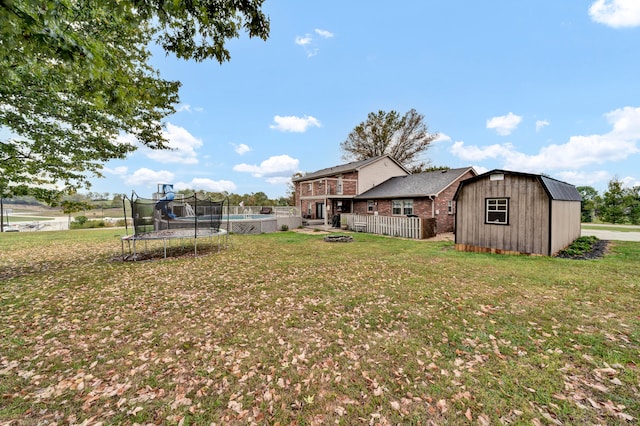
column 497, row 211
column 449, row 207
column 401, row 207
column 370, row 206
column 339, row 187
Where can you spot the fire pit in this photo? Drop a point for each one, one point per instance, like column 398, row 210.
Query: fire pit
column 338, row 238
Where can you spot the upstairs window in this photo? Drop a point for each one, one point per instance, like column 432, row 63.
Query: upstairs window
column 497, row 211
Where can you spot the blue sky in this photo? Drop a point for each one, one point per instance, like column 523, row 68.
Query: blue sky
column 542, row 86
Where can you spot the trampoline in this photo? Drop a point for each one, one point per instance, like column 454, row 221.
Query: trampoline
column 183, row 218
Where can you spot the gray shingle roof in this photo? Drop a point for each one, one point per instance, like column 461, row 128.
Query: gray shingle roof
column 342, row 168
column 416, row 185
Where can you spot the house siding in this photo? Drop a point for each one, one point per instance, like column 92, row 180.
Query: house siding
column 376, row 173
column 528, row 226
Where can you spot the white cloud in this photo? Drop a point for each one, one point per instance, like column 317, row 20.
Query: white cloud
column 324, row 33
column 241, row 149
column 579, row 178
column 118, row 171
column 475, row 153
column 309, row 43
column 504, row 124
column 303, row 41
column 183, row 147
column 126, row 139
column 279, row 180
column 148, row 177
column 188, row 108
column 579, row 152
column 630, row 182
column 442, row 138
column 294, row 124
column 209, row 185
column 616, row 13
column 540, row 124
column 273, row 167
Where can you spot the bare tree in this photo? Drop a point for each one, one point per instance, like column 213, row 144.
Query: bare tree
column 404, row 138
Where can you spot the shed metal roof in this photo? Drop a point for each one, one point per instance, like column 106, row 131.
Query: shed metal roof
column 557, row 190
column 415, row 185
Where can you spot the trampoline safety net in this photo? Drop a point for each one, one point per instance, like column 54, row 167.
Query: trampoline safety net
column 167, row 219
column 184, row 213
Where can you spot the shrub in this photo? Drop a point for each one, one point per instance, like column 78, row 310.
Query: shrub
column 284, row 228
column 579, row 247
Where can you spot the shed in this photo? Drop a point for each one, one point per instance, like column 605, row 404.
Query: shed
column 503, row 211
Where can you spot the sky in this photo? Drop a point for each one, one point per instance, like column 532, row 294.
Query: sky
column 538, row 86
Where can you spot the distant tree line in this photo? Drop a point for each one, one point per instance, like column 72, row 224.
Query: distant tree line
column 616, row 205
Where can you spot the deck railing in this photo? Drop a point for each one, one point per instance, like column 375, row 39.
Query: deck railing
column 395, row 226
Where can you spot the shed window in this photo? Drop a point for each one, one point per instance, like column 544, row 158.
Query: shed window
column 402, row 207
column 497, row 211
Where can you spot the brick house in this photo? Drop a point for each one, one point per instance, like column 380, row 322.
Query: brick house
column 330, row 191
column 426, row 195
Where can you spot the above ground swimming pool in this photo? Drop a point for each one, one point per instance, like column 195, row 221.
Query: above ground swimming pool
column 241, row 223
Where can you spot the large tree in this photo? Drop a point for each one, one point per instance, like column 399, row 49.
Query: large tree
column 632, row 201
column 614, row 203
column 403, row 137
column 589, row 203
column 75, row 74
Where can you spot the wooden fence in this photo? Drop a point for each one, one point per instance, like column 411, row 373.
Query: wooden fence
column 395, row 226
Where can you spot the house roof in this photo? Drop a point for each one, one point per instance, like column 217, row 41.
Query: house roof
column 415, row 185
column 557, row 190
column 344, row 168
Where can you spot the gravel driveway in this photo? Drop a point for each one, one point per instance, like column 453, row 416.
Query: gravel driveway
column 612, row 234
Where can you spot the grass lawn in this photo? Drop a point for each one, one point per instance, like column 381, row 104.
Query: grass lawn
column 14, row 219
column 612, row 228
column 285, row 328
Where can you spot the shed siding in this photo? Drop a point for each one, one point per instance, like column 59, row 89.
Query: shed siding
column 565, row 224
column 528, row 228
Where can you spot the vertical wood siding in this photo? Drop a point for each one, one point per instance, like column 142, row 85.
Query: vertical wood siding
column 565, row 224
